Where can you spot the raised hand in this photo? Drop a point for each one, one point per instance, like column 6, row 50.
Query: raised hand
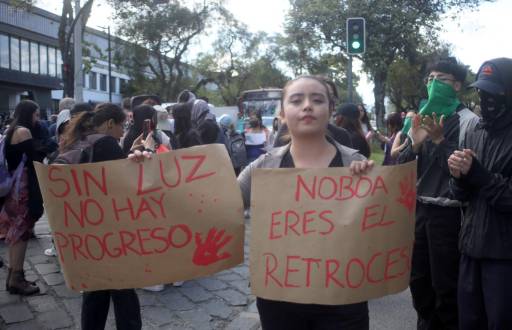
column 207, row 252
column 417, row 133
column 434, row 127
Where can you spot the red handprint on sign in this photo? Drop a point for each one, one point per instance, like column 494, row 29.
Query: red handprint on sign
column 206, row 252
column 407, row 193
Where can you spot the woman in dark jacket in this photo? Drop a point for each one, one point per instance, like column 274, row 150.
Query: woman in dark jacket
column 347, row 116
column 106, row 119
column 186, row 136
column 24, row 205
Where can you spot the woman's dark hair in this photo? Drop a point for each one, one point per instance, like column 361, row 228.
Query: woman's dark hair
column 365, row 120
column 80, row 107
column 23, row 114
column 394, row 121
column 255, row 122
column 140, row 113
column 186, row 136
column 275, row 124
column 85, row 123
column 352, row 125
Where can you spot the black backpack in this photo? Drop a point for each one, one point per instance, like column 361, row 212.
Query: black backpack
column 80, row 152
column 235, row 143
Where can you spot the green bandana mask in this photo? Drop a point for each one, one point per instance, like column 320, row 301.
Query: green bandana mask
column 407, row 125
column 408, row 120
column 442, row 100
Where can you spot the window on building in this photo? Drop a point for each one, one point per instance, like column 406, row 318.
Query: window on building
column 92, row 80
column 43, row 59
column 25, row 56
column 34, row 57
column 15, row 53
column 52, row 62
column 113, row 85
column 4, row 51
column 103, row 82
column 59, row 64
column 122, row 85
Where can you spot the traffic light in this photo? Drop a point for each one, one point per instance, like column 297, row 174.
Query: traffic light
column 356, row 38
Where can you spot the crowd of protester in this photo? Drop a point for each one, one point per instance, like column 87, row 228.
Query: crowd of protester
column 462, row 255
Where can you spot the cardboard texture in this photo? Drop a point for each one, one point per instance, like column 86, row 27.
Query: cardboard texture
column 122, row 224
column 325, row 237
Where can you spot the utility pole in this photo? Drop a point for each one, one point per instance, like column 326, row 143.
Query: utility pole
column 109, row 68
column 77, row 46
column 349, row 79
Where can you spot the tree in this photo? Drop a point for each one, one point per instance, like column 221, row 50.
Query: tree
column 66, row 32
column 160, row 33
column 395, row 29
column 238, row 61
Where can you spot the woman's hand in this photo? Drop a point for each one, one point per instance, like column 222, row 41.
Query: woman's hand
column 144, row 144
column 359, row 167
column 140, row 156
column 138, row 143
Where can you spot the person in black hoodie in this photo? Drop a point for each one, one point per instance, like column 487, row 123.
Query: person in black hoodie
column 107, row 119
column 482, row 175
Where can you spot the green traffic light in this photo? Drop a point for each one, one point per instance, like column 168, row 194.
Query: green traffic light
column 356, row 44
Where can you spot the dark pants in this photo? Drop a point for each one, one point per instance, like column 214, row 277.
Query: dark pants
column 485, row 294
column 95, row 306
column 435, row 266
column 280, row 315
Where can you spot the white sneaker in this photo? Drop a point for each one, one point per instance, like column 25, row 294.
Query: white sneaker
column 155, row 288
column 51, row 252
column 178, row 284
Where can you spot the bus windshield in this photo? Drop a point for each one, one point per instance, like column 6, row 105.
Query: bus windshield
column 265, row 103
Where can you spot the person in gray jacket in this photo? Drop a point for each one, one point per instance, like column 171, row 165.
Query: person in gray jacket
column 306, row 107
column 435, row 259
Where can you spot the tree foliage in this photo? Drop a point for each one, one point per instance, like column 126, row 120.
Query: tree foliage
column 395, row 30
column 160, row 36
column 238, row 61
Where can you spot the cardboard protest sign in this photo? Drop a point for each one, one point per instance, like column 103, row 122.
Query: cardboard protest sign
column 325, row 237
column 122, row 224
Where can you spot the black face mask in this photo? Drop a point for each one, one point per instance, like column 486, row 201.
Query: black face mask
column 492, row 106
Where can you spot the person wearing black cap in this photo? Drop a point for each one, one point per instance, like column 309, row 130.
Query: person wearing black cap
column 437, row 131
column 482, row 175
column 347, row 117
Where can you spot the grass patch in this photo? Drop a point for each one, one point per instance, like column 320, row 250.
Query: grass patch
column 377, row 154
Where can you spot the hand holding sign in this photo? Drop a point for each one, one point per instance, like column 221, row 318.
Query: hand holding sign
column 207, row 253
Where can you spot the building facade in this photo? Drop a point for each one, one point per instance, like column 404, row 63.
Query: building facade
column 31, row 64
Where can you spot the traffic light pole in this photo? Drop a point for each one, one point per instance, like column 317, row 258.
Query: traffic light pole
column 349, row 79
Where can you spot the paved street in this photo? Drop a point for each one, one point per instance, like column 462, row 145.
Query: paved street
column 222, row 301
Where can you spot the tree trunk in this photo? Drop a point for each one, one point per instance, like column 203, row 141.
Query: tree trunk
column 379, row 93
